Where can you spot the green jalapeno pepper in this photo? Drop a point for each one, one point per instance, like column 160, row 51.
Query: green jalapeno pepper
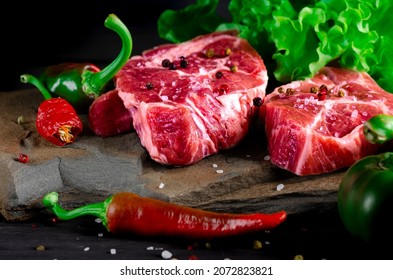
column 81, row 83
column 365, row 195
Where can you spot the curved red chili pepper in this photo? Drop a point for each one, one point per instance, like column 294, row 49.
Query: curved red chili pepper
column 127, row 212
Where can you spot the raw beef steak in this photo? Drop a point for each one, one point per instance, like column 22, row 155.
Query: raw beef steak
column 108, row 116
column 316, row 126
column 192, row 99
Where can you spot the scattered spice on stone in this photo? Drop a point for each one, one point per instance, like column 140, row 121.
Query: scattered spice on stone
column 20, row 120
column 23, row 158
column 280, row 187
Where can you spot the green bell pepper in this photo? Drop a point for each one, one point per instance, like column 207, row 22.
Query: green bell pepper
column 365, row 194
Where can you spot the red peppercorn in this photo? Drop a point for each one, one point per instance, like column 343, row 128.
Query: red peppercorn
column 222, row 89
column 23, row 158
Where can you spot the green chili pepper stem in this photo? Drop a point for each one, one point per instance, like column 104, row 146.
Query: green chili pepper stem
column 95, row 82
column 27, row 78
column 96, row 209
column 379, row 129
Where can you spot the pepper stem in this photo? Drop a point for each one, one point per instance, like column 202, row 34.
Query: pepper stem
column 96, row 209
column 379, row 129
column 95, row 82
column 27, row 78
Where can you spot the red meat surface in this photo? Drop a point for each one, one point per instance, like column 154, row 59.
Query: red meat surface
column 196, row 104
column 108, row 116
column 312, row 133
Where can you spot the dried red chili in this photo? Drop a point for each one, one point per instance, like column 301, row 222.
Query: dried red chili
column 127, row 212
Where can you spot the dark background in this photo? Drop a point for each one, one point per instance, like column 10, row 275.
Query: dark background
column 37, row 34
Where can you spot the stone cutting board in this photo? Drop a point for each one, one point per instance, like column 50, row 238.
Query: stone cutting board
column 238, row 180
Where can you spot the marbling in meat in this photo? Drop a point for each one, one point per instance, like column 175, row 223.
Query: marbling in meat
column 193, row 99
column 315, row 126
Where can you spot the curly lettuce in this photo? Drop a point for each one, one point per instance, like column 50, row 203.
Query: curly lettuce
column 297, row 38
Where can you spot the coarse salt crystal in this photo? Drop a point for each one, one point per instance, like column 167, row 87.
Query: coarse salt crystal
column 280, row 187
column 266, row 157
column 161, row 185
column 100, row 234
column 113, row 251
column 166, row 254
column 86, row 249
column 98, row 220
column 215, row 165
column 219, row 171
column 150, row 248
column 164, row 98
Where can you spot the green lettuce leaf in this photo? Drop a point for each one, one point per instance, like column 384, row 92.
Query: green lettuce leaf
column 297, row 38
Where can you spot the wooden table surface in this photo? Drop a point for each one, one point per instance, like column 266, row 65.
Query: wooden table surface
column 313, row 236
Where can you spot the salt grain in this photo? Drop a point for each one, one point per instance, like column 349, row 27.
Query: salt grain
column 266, row 158
column 86, row 249
column 113, row 251
column 215, row 165
column 100, row 234
column 219, row 171
column 98, row 220
column 280, row 187
column 150, row 248
column 166, row 254
column 162, row 185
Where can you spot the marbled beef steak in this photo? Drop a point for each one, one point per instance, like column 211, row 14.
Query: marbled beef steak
column 193, row 99
column 316, row 126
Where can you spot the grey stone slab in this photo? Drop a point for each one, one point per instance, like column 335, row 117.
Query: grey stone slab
column 92, row 168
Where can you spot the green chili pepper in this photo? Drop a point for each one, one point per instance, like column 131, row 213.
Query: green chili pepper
column 81, row 83
column 379, row 129
column 365, row 197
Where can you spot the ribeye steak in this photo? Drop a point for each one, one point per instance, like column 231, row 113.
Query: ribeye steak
column 316, row 126
column 192, row 99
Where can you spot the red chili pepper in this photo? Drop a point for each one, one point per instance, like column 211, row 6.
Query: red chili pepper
column 127, row 212
column 56, row 121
